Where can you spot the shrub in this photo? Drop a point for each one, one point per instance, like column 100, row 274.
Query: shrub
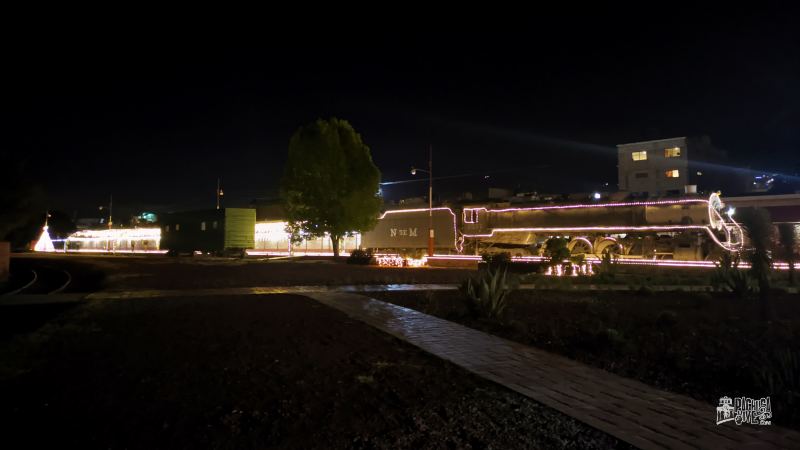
column 728, row 276
column 412, row 253
column 614, row 339
column 486, row 294
column 360, row 257
column 613, row 335
column 556, row 249
column 608, row 265
column 788, row 241
column 497, row 260
column 778, row 374
column 759, row 230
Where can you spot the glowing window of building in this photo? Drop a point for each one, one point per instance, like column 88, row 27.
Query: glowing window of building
column 166, row 228
column 202, row 226
column 639, row 156
column 672, row 173
column 674, row 152
column 177, row 227
column 214, row 224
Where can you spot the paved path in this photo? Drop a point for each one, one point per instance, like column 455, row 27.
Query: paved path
column 262, row 290
column 110, row 295
column 356, row 288
column 629, row 410
column 161, row 293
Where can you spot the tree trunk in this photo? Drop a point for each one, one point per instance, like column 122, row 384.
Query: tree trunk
column 335, row 244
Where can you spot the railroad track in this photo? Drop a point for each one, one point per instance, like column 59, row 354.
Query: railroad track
column 42, row 281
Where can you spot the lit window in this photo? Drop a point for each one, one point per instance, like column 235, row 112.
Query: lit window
column 177, row 227
column 641, row 175
column 214, row 224
column 166, row 229
column 672, row 173
column 674, row 152
column 202, row 226
column 639, row 156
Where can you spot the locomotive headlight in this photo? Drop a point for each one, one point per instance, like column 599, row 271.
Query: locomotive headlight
column 597, row 196
column 731, row 211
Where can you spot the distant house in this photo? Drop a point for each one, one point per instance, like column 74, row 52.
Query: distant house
column 89, row 223
column 674, row 167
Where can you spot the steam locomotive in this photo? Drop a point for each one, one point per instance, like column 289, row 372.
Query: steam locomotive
column 692, row 229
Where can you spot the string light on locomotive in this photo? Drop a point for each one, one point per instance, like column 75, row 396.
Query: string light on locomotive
column 399, row 261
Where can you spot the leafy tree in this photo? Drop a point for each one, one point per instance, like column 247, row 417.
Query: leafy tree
column 20, row 201
column 61, row 225
column 330, row 184
column 759, row 230
column 788, row 241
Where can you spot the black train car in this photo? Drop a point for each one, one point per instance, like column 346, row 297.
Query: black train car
column 224, row 231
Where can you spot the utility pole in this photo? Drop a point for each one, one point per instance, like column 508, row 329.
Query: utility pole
column 430, row 200
column 219, row 193
column 414, row 171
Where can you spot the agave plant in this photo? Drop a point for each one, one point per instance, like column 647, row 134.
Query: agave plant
column 778, row 373
column 729, row 277
column 487, row 292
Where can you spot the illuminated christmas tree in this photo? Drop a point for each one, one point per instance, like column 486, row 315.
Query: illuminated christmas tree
column 44, row 244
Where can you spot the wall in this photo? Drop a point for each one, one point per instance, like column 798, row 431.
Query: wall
column 655, row 166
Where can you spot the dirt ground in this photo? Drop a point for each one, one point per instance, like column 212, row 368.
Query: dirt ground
column 697, row 344
column 162, row 272
column 276, row 371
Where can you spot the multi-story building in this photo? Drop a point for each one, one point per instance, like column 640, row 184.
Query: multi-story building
column 671, row 167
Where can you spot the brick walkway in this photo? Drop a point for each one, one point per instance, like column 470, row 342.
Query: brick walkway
column 262, row 290
column 629, row 410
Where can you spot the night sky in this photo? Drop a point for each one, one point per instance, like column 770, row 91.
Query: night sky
column 155, row 119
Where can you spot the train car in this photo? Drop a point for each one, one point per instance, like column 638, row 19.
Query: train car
column 682, row 229
column 226, row 231
column 407, row 229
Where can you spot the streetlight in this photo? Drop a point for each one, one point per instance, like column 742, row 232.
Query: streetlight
column 414, row 171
